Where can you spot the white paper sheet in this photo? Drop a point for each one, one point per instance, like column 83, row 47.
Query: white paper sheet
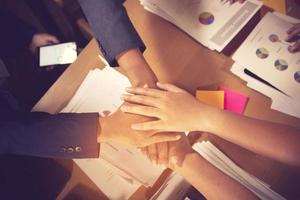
column 276, row 64
column 64, row 53
column 211, row 22
column 213, row 155
column 175, row 187
column 107, row 179
column 280, row 102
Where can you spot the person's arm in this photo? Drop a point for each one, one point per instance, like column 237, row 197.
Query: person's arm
column 119, row 42
column 45, row 135
column 177, row 110
column 69, row 135
column 210, row 181
column 206, row 178
column 276, row 141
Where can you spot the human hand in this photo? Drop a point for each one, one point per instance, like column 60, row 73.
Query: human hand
column 117, row 128
column 175, row 109
column 159, row 153
column 233, row 1
column 169, row 154
column 294, row 36
column 41, row 39
column 178, row 150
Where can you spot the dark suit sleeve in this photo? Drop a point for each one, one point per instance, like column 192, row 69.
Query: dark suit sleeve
column 41, row 134
column 15, row 34
column 112, row 27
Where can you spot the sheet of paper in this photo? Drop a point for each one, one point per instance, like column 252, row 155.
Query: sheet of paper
column 234, row 101
column 211, row 22
column 266, row 54
column 175, row 187
column 125, row 162
column 222, row 162
column 131, row 161
column 64, row 53
column 287, row 18
column 106, row 178
column 280, row 102
column 212, row 98
column 155, row 9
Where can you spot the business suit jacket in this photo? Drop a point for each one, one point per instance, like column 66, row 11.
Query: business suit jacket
column 37, row 133
column 66, row 135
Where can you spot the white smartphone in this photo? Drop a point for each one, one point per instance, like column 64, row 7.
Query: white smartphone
column 57, row 54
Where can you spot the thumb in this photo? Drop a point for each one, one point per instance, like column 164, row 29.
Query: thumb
column 169, row 87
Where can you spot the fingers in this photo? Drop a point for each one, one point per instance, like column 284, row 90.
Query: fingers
column 146, row 91
column 152, row 153
column 144, row 150
column 163, row 152
column 295, row 47
column 292, row 34
column 293, row 28
column 140, row 99
column 169, row 87
column 146, row 126
column 293, row 31
column 51, row 38
column 232, row 1
column 164, row 137
column 141, row 110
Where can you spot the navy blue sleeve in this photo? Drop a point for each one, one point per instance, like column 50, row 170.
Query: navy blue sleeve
column 44, row 135
column 112, row 27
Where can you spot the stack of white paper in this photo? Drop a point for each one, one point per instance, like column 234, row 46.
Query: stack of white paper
column 213, row 23
column 213, row 155
column 175, row 187
column 265, row 53
column 120, row 170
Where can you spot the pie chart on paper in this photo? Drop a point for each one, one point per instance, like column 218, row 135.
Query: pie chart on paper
column 297, row 76
column 274, row 38
column 206, row 18
column 281, row 64
column 262, row 53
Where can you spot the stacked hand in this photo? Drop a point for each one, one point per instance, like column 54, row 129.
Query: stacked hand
column 116, row 128
column 294, row 37
column 174, row 110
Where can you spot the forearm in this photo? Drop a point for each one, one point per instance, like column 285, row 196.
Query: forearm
column 66, row 135
column 136, row 67
column 210, row 181
column 276, row 141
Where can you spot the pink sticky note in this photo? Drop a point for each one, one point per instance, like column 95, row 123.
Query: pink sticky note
column 233, row 101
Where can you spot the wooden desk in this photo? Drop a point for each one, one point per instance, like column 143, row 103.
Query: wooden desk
column 176, row 58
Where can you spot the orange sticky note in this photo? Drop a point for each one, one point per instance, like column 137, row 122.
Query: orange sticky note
column 212, row 98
